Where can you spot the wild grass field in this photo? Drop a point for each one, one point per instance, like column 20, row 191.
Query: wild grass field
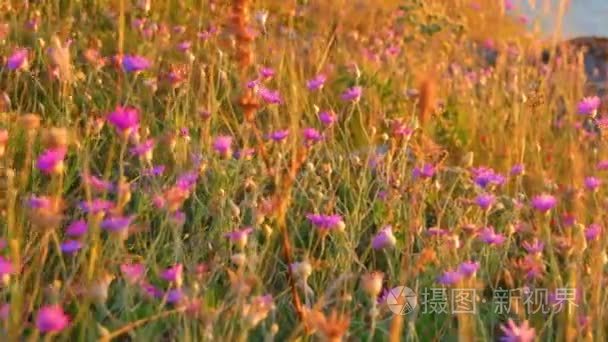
column 259, row 170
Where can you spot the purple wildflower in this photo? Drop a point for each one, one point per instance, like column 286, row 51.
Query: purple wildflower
column 436, row 231
column 325, row 222
column 328, row 117
column 173, row 274
column 468, row 268
column 449, row 278
column 485, row 201
column 384, row 238
column 489, row 236
column 269, row 96
column 592, row 183
column 18, row 60
column 602, row 165
column 267, row 73
column 124, row 119
column 534, row 247
column 6, row 267
column 133, row 63
column 71, row 246
column 279, row 135
column 514, row 333
column 174, row 296
column 51, row 319
column 133, row 273
column 593, row 231
column 517, row 169
column 239, row 236
column 51, row 161
column 317, row 82
column 97, row 183
column 589, row 105
column 544, row 202
column 97, row 205
column 484, row 177
column 145, row 148
column 116, row 223
column 424, row 172
column 311, row 135
column 223, row 144
column 352, row 94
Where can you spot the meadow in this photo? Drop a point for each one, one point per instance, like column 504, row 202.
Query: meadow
column 208, row 170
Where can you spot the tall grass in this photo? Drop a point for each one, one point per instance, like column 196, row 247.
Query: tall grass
column 270, row 170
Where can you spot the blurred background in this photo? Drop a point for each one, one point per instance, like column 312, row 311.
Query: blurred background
column 581, row 17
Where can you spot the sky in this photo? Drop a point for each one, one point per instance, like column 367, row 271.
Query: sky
column 584, row 17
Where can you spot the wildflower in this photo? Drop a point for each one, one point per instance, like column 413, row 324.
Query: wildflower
column 424, row 172
column 592, row 183
column 6, row 270
column 449, row 278
column 18, row 60
column 317, row 82
column 144, row 149
column 328, row 117
column 534, row 247
column 71, row 246
column 269, row 96
column 517, row 169
column 124, row 119
column 175, row 296
column 245, row 153
column 133, row 63
column 97, row 184
column 589, row 105
column 468, row 268
column 133, row 273
column 436, row 231
column 51, row 319
column 485, row 201
column 97, row 205
column 116, row 223
column 239, row 237
column 325, row 222
column 352, row 94
column 489, row 236
column 514, row 333
column 51, row 161
column 151, row 291
column 223, row 145
column 258, row 310
column 400, row 129
column 267, row 73
column 484, row 177
column 544, row 202
column 593, row 231
column 279, row 135
column 384, row 238
column 311, row 135
column 184, row 46
column 174, row 274
column 602, row 165
column 372, row 283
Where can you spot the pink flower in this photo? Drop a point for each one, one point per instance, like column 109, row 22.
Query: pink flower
column 133, row 273
column 317, row 82
column 124, row 119
column 18, row 60
column 133, row 63
column 514, row 333
column 173, row 274
column 328, row 117
column 544, row 202
column 352, row 94
column 223, row 144
column 589, row 105
column 51, row 319
column 384, row 238
column 51, row 161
